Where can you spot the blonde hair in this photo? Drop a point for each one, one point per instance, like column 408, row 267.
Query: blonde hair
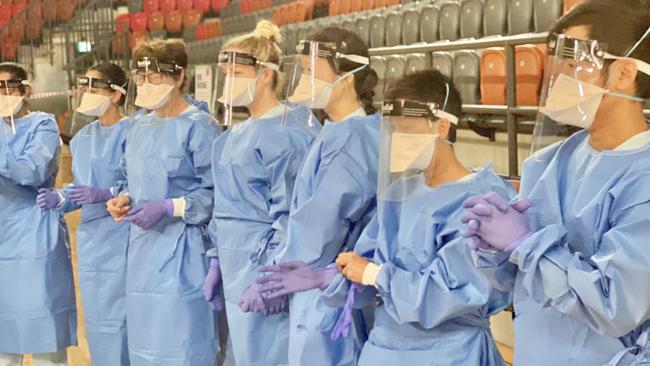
column 164, row 50
column 262, row 44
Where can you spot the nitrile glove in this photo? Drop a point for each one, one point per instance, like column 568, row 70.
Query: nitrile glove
column 291, row 277
column 147, row 215
column 47, row 199
column 211, row 285
column 342, row 327
column 82, row 195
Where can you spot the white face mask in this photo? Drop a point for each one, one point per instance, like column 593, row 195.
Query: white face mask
column 316, row 95
column 94, row 104
column 10, row 105
column 411, row 151
column 576, row 103
column 152, row 96
column 240, row 90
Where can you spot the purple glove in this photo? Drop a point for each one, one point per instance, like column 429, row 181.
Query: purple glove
column 291, row 277
column 495, row 222
column 251, row 300
column 342, row 327
column 82, row 195
column 211, row 285
column 275, row 305
column 147, row 215
column 47, row 199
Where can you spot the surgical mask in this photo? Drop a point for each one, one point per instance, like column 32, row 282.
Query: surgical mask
column 152, row 96
column 316, row 94
column 576, row 103
column 94, row 104
column 241, row 92
column 10, row 105
column 411, row 151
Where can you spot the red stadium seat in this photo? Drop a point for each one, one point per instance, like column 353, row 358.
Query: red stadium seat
column 334, row 8
column 201, row 32
column 137, row 38
column 217, row 5
column 529, row 73
column 9, row 48
column 123, row 23
column 185, row 5
column 292, row 10
column 367, row 5
column 356, row 6
column 17, row 9
column 35, row 11
column 245, row 6
column 139, row 22
column 17, row 30
column 493, row 76
column 151, row 6
column 380, row 4
column 392, row 2
column 191, row 19
column 34, row 29
column 344, row 6
column 118, row 45
column 202, row 5
column 275, row 17
column 49, row 10
column 214, row 28
column 174, row 21
column 156, row 21
column 285, row 17
column 65, row 10
column 6, row 12
column 300, row 13
column 167, row 5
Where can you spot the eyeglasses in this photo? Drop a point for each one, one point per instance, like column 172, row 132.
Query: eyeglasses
column 152, row 77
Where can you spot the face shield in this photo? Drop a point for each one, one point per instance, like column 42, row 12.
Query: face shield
column 11, row 99
column 153, row 81
column 574, row 86
column 407, row 145
column 91, row 99
column 315, row 71
column 237, row 78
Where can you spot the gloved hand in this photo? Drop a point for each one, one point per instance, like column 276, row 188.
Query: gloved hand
column 352, row 265
column 82, row 195
column 495, row 222
column 211, row 285
column 118, row 207
column 47, row 199
column 275, row 305
column 342, row 326
column 147, row 215
column 251, row 300
column 292, row 277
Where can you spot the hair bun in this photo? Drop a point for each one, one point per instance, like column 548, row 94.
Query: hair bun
column 268, row 30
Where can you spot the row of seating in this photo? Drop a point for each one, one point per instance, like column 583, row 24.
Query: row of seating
column 152, row 6
column 173, row 21
column 293, row 12
column 233, row 8
column 340, row 7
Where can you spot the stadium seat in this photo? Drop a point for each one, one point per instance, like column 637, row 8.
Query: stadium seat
column 348, row 23
column 546, row 12
column 135, row 6
column 300, row 12
column 17, row 30
column 291, row 40
column 6, row 12
column 65, row 10
column 34, row 29
column 493, row 76
column 137, row 37
column 185, row 5
column 416, row 62
column 201, row 32
column 9, row 48
column 344, row 6
column 202, row 5
column 218, row 5
column 377, row 31
column 333, row 9
column 367, row 5
column 411, row 26
column 191, row 19
column 167, row 5
column 17, row 9
column 393, row 28
column 568, row 4
column 150, row 6
column 390, row 3
column 174, row 21
column 49, row 13
column 471, row 19
column 362, row 26
column 378, row 63
column 449, row 21
column 466, row 75
column 123, row 23
column 379, row 4
column 443, row 62
column 395, row 67
column 139, row 22
column 529, row 74
column 520, row 16
column 35, row 11
column 429, row 24
column 156, row 21
column 356, row 6
column 495, row 19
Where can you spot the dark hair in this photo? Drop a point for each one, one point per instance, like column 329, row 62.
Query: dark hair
column 112, row 73
column 429, row 87
column 347, row 42
column 16, row 71
column 171, row 50
column 617, row 23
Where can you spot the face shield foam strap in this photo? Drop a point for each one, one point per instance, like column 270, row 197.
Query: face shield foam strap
column 411, row 108
column 85, row 81
column 151, row 64
column 329, row 51
column 13, row 83
column 245, row 59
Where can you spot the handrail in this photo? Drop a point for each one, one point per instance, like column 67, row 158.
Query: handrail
column 462, row 44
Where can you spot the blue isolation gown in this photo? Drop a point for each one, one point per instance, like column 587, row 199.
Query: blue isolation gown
column 333, row 201
column 101, row 242
column 435, row 306
column 581, row 280
column 37, row 300
column 168, row 320
column 255, row 164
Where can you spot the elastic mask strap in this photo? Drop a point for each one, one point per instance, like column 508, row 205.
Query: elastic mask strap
column 348, row 74
column 636, row 45
column 625, row 96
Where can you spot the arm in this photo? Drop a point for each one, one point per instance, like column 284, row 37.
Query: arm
column 37, row 162
column 607, row 290
column 496, row 268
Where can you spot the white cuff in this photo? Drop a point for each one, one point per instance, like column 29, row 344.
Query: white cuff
column 61, row 198
column 370, row 274
column 179, row 207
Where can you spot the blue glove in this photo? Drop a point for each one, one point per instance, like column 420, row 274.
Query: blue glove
column 82, row 195
column 47, row 199
column 495, row 222
column 147, row 215
column 291, row 277
column 211, row 285
column 342, row 327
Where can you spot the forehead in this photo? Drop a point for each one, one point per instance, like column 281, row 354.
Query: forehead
column 94, row 74
column 6, row 76
column 581, row 32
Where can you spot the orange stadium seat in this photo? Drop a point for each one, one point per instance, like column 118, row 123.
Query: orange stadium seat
column 334, row 8
column 568, row 4
column 356, row 6
column 156, row 21
column 139, row 22
column 185, row 5
column 217, row 5
column 174, row 21
column 9, row 48
column 167, row 5
column 123, row 23
column 493, row 76
column 367, row 5
column 136, row 38
column 191, row 19
column 202, row 5
column 151, row 6
column 529, row 73
column 344, row 6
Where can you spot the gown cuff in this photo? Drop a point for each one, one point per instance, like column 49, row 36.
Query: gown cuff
column 370, row 274
column 179, row 207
